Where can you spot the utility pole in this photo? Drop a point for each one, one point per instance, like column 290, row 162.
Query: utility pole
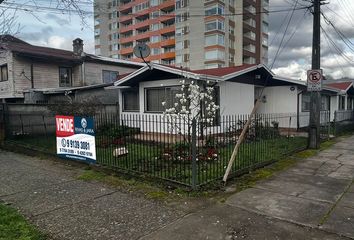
column 315, row 104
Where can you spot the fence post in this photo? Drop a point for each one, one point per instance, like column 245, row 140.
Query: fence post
column 335, row 123
column 194, row 154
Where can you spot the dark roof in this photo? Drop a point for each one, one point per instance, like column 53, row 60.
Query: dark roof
column 341, row 86
column 25, row 49
column 10, row 38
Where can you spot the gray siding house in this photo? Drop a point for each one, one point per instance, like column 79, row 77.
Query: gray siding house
column 29, row 71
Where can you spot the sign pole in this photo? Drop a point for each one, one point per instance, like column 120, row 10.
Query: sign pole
column 314, row 128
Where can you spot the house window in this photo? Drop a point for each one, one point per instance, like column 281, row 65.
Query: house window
column 130, row 100
column 4, row 74
column 350, row 103
column 109, row 76
column 64, row 77
column 325, row 102
column 305, row 102
column 155, row 96
column 341, row 103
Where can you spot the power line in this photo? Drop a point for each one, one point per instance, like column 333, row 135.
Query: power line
column 346, row 40
column 340, row 52
column 286, row 29
column 28, row 8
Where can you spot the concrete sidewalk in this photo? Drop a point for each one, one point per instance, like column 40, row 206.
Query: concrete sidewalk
column 63, row 207
column 312, row 200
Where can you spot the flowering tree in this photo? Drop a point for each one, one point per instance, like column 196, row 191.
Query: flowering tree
column 196, row 100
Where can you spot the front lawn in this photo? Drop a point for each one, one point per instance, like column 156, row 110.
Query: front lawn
column 14, row 226
column 173, row 160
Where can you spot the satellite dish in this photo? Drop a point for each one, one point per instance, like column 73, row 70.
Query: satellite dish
column 141, row 50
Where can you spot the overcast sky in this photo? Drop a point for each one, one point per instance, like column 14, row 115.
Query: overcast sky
column 58, row 30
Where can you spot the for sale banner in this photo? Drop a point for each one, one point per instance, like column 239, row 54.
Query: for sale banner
column 76, row 138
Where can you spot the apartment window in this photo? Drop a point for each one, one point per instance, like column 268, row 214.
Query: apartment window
column 215, row 25
column 4, row 74
column 65, row 77
column 97, row 41
column 115, row 47
column 215, row 55
column 115, row 56
column 130, row 100
column 155, row 96
column 155, row 27
column 154, row 3
column 178, row 59
column 155, row 38
column 179, row 45
column 341, row 103
column 141, row 6
column 214, row 65
column 186, row 58
column 97, row 21
column 155, row 51
column 214, row 10
column 115, row 35
column 155, row 14
column 109, row 76
column 216, row 39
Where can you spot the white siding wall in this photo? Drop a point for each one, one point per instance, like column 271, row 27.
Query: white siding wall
column 279, row 100
column 282, row 102
column 236, row 98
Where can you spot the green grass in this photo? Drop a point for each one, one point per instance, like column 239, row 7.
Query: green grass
column 14, row 226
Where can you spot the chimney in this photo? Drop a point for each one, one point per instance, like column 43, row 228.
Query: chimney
column 78, row 47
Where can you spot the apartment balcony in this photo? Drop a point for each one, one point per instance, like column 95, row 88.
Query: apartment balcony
column 250, row 48
column 168, row 55
column 168, row 29
column 250, row 9
column 167, row 4
column 167, row 17
column 168, row 42
column 124, row 40
column 125, row 51
column 250, row 35
column 125, row 18
column 127, row 6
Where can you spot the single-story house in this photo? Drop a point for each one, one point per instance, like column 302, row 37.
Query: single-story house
column 29, row 68
column 143, row 91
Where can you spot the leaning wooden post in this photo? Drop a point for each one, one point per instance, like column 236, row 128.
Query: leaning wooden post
column 240, row 140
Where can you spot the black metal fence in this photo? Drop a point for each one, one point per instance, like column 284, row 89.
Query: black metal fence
column 179, row 150
column 343, row 122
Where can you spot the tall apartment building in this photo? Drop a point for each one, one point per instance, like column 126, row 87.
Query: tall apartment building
column 192, row 34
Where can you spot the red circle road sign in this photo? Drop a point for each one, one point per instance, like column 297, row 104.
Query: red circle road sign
column 314, row 76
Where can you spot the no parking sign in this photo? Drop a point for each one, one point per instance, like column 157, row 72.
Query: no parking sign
column 314, row 80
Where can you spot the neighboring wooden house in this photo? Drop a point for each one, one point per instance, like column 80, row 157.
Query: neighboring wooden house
column 28, row 68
